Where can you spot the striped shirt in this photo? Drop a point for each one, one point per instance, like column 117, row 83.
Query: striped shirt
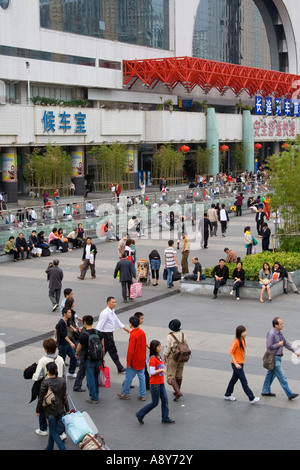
column 169, row 256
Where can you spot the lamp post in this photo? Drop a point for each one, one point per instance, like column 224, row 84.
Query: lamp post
column 28, row 81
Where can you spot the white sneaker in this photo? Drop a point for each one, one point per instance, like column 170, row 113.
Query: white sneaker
column 255, row 400
column 237, row 298
column 41, row 433
column 72, row 375
column 63, row 436
column 231, row 293
column 230, row 398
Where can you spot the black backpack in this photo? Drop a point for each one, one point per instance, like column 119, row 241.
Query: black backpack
column 94, row 349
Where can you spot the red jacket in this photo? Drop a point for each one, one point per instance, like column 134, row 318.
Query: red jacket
column 136, row 353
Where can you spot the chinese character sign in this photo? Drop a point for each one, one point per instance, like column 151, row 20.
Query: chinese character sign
column 278, row 107
column 287, row 107
column 258, row 105
column 66, row 122
column 274, row 128
column 296, row 107
column 269, row 106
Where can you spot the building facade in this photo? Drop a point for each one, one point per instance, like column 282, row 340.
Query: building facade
column 62, row 78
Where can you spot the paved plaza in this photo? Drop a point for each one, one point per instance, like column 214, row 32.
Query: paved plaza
column 203, row 419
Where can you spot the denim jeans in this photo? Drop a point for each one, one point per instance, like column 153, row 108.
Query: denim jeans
column 92, row 371
column 239, row 374
column 158, row 391
column 170, row 272
column 54, row 434
column 236, row 287
column 67, row 350
column 279, row 373
column 129, row 376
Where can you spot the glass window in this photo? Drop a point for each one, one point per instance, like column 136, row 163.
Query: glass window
column 50, row 56
column 142, row 22
column 231, row 31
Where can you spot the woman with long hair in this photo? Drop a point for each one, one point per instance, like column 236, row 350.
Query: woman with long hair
column 237, row 354
column 157, row 386
column 265, row 281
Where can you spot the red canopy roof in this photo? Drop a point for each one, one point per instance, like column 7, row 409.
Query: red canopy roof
column 207, row 74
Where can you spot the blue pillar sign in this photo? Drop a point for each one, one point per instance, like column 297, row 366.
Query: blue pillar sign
column 258, row 105
column 287, row 107
column 278, row 107
column 296, row 108
column 269, row 106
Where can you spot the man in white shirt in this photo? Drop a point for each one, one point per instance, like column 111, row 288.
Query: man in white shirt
column 107, row 322
column 224, row 218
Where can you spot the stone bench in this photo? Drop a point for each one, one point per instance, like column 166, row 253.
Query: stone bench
column 250, row 290
column 5, row 257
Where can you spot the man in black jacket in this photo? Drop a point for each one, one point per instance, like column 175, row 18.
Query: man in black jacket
column 124, row 266
column 265, row 236
column 89, row 259
column 221, row 274
column 54, row 276
column 204, row 227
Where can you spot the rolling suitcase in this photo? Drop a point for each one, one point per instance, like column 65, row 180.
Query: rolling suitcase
column 91, row 440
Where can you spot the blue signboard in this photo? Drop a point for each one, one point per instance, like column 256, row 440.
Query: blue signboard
column 258, row 105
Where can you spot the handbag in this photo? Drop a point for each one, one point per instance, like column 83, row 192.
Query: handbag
column 269, row 360
column 104, row 376
column 165, row 274
column 90, row 442
column 136, row 290
column 176, row 276
column 48, row 398
column 254, row 241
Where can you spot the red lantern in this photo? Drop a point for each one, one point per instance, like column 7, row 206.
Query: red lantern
column 257, row 146
column 285, row 146
column 224, row 148
column 184, row 148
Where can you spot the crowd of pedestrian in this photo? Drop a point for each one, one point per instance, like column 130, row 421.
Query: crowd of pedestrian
column 151, row 362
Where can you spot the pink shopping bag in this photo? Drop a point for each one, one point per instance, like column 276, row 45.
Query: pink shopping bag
column 103, row 376
column 136, row 290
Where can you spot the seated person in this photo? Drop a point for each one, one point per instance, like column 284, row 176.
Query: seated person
column 197, row 273
column 89, row 208
column 11, row 249
column 73, row 238
column 220, row 274
column 80, row 234
column 22, row 246
column 54, row 239
column 111, row 231
column 279, row 272
column 231, row 256
column 132, row 225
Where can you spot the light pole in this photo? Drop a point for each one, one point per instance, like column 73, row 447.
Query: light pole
column 28, row 82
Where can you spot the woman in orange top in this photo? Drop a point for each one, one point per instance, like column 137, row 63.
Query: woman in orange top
column 237, row 354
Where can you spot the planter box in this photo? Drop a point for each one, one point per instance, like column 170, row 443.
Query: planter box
column 251, row 289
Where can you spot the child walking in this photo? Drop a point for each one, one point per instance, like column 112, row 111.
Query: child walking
column 237, row 354
column 157, row 387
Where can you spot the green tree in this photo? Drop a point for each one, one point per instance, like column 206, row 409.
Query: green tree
column 110, row 162
column 49, row 169
column 284, row 172
column 168, row 163
column 202, row 160
column 237, row 157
